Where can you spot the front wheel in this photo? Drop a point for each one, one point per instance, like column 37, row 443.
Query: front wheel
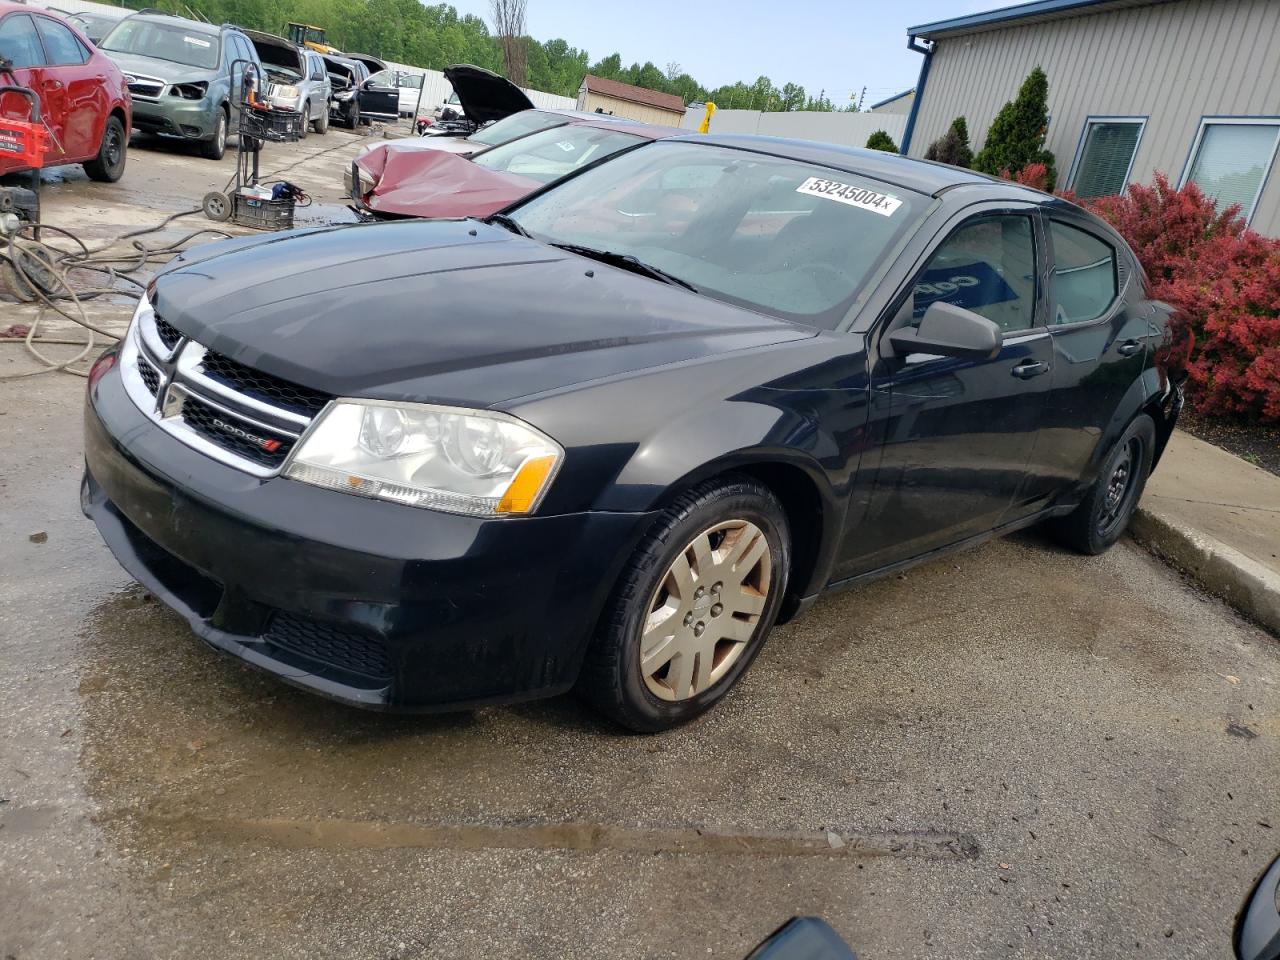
column 1106, row 510
column 306, row 121
column 108, row 165
column 353, row 115
column 322, row 121
column 215, row 147
column 692, row 607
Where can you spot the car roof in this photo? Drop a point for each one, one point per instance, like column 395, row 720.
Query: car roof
column 922, row 176
column 194, row 26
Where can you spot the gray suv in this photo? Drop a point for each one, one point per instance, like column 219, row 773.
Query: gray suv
column 181, row 77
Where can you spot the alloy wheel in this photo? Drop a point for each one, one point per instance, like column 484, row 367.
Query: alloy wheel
column 705, row 610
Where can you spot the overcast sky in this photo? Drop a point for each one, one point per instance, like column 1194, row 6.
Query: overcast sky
column 836, row 45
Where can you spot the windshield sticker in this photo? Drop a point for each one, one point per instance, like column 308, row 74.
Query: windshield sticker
column 198, row 42
column 567, row 146
column 860, row 197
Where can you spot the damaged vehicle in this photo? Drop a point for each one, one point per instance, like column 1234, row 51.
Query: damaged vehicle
column 608, row 438
column 355, row 99
column 186, row 78
column 433, row 183
column 294, row 78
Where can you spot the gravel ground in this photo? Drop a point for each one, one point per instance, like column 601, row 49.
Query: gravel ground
column 1020, row 753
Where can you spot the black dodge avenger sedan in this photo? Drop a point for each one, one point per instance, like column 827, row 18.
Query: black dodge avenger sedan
column 610, row 437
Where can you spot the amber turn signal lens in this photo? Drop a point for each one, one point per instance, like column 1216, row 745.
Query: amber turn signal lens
column 526, row 485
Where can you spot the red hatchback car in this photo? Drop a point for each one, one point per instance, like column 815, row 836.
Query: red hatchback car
column 84, row 99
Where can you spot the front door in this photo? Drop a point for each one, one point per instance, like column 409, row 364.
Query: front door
column 949, row 438
column 20, row 44
column 379, row 97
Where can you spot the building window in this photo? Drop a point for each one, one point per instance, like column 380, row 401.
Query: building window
column 1106, row 155
column 1231, row 158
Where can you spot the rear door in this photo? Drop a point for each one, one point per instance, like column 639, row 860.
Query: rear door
column 953, row 437
column 20, row 43
column 78, row 88
column 380, row 97
column 1099, row 323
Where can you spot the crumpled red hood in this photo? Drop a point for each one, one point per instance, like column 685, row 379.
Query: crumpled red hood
column 432, row 183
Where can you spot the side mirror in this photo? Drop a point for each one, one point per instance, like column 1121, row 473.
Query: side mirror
column 949, row 331
column 803, row 938
column 1258, row 926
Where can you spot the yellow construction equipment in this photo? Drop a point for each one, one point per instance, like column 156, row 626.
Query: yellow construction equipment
column 311, row 37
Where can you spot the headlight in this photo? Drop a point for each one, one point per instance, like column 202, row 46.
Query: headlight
column 189, row 91
column 284, row 91
column 443, row 458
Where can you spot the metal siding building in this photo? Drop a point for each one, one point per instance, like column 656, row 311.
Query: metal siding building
column 1157, row 68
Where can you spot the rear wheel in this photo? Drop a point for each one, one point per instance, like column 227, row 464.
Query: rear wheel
column 1106, row 510
column 692, row 607
column 215, row 147
column 108, row 165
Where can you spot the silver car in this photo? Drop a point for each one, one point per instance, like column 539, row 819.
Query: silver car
column 295, row 79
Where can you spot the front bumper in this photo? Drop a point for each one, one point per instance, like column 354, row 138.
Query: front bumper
column 374, row 604
column 175, row 117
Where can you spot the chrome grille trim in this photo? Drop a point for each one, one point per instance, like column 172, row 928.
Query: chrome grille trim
column 180, row 378
column 145, row 88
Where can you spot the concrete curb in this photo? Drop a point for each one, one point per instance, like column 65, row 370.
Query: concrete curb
column 1247, row 585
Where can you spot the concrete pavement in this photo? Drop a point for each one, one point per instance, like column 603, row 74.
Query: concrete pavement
column 1218, row 518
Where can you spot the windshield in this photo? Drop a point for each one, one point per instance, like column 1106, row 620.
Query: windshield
column 163, row 41
column 517, row 125
column 793, row 239
column 551, row 154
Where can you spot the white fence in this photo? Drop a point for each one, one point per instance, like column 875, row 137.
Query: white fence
column 849, row 129
column 435, row 88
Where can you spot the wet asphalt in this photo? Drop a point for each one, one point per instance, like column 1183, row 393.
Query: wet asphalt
column 1014, row 752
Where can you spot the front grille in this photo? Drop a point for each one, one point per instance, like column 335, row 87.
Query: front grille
column 328, row 646
column 263, row 386
column 146, row 89
column 267, row 448
column 150, row 376
column 167, row 333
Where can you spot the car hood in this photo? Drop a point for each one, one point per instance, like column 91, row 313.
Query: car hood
column 131, row 64
column 452, row 311
column 268, row 41
column 484, row 95
column 435, row 183
column 436, row 142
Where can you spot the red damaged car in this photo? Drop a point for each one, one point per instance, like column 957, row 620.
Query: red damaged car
column 390, row 184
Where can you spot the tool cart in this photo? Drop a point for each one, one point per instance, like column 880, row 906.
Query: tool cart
column 246, row 200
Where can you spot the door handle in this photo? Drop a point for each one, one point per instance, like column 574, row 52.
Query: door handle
column 1030, row 368
column 1129, row 348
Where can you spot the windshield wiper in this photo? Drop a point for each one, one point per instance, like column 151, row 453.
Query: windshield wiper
column 502, row 220
column 627, row 262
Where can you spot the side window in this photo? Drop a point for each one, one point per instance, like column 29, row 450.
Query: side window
column 19, row 41
column 317, row 67
column 60, row 44
column 988, row 266
column 1083, row 284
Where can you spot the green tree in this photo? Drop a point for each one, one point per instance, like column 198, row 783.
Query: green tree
column 1016, row 137
column 953, row 146
column 881, row 141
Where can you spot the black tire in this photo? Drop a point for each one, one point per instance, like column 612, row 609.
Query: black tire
column 322, row 121
column 108, row 165
column 352, row 115
column 611, row 677
column 305, row 126
column 217, row 206
column 216, row 147
column 1104, row 514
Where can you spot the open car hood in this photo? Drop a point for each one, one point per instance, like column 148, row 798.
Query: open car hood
column 369, row 60
column 485, row 96
column 434, row 183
